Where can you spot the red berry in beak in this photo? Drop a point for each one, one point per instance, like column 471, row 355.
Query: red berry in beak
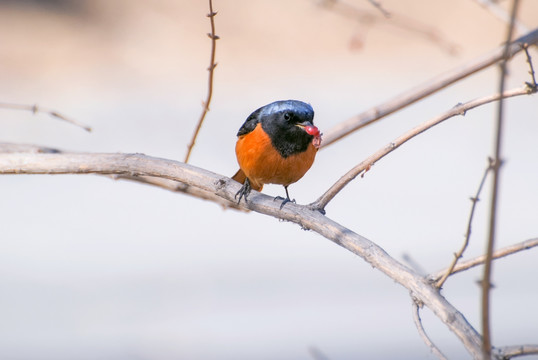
column 312, row 130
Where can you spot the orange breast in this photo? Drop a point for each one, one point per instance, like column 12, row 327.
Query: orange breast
column 263, row 164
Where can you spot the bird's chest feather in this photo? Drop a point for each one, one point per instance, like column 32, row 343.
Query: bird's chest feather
column 263, row 164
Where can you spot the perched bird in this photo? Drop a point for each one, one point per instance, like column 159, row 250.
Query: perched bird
column 277, row 144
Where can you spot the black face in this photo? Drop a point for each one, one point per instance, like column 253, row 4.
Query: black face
column 281, row 121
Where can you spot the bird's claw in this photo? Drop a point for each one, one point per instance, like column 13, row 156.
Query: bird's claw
column 284, row 201
column 244, row 191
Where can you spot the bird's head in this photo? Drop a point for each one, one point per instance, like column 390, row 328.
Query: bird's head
column 290, row 125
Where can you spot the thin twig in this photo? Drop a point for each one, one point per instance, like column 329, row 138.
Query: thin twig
column 474, row 201
column 486, row 281
column 211, row 70
column 366, row 164
column 52, row 113
column 531, row 70
column 418, row 323
column 424, row 90
column 479, row 260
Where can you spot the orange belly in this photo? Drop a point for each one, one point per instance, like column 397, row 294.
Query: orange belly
column 263, row 164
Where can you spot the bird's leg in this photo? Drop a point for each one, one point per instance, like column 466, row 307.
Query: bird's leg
column 244, row 191
column 286, row 200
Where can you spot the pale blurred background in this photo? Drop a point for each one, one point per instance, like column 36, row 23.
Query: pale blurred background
column 91, row 268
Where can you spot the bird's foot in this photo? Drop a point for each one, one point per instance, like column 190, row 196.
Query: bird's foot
column 244, row 191
column 284, row 201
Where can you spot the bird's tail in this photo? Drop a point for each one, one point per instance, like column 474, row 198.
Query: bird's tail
column 240, row 177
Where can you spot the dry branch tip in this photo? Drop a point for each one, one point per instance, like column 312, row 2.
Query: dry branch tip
column 211, row 68
column 35, row 109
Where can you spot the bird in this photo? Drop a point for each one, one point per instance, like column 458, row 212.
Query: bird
column 277, row 144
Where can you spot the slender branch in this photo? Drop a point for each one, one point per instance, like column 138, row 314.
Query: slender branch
column 418, row 323
column 211, row 70
column 479, row 260
column 141, row 165
column 428, row 88
column 366, row 164
column 474, row 201
column 52, row 113
column 486, row 281
column 531, row 67
column 508, row 352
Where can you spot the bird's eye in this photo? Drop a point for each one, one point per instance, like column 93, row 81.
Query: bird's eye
column 287, row 116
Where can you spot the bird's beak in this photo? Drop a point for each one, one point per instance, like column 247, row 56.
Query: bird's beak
column 304, row 124
column 309, row 128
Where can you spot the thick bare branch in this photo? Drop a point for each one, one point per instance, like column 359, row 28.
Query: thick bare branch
column 141, row 165
column 171, row 185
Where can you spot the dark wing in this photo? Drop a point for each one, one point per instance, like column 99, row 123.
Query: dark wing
column 250, row 123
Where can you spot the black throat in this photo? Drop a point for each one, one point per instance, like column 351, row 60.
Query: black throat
column 288, row 139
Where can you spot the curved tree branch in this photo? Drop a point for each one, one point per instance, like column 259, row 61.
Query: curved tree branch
column 366, row 164
column 418, row 323
column 167, row 184
column 141, row 165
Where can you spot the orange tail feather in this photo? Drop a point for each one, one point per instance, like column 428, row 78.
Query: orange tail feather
column 240, row 177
